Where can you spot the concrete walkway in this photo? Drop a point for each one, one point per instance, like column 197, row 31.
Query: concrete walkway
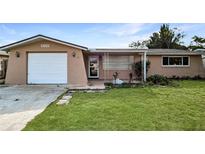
column 20, row 104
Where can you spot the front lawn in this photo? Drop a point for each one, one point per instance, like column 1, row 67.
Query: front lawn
column 149, row 108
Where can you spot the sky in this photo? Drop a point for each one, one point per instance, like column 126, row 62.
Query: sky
column 95, row 35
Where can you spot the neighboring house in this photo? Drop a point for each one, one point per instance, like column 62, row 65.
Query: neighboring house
column 3, row 63
column 45, row 60
column 203, row 55
column 203, row 59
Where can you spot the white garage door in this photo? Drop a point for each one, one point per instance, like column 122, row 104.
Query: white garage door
column 47, row 68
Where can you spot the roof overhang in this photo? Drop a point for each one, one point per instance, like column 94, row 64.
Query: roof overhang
column 141, row 51
column 117, row 50
column 3, row 53
column 39, row 37
column 158, row 54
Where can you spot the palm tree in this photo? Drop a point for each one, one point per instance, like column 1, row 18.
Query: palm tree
column 166, row 38
column 197, row 43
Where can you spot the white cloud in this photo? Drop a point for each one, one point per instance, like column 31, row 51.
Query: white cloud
column 141, row 37
column 6, row 29
column 124, row 30
column 117, row 30
column 121, row 42
column 188, row 27
column 123, row 34
column 4, row 42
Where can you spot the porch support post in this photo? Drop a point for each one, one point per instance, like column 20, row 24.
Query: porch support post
column 104, row 60
column 144, row 68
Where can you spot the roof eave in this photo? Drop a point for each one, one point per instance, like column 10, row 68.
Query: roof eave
column 173, row 53
column 12, row 45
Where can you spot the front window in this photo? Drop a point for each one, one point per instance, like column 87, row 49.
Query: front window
column 175, row 61
column 118, row 62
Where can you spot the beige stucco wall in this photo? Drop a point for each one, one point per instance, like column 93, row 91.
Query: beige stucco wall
column 17, row 67
column 195, row 68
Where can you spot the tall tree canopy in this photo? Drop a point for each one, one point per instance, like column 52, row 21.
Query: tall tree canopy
column 197, row 43
column 166, row 38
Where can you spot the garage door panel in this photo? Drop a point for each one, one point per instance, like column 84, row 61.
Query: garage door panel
column 47, row 68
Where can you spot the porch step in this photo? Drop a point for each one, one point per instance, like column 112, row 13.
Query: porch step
column 89, row 87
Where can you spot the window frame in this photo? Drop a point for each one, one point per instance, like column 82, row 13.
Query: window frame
column 106, row 62
column 175, row 65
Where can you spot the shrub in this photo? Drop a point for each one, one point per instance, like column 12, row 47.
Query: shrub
column 130, row 77
column 158, row 80
column 108, row 85
column 197, row 77
column 138, row 67
column 115, row 76
column 185, row 77
column 175, row 77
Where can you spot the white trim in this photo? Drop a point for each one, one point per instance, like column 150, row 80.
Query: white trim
column 145, row 65
column 180, row 54
column 41, row 37
column 93, row 77
column 172, row 66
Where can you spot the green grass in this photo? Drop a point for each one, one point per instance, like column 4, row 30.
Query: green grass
column 149, row 108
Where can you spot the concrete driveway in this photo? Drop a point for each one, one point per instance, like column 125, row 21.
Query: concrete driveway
column 20, row 104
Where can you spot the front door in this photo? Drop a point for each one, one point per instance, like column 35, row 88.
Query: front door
column 93, row 67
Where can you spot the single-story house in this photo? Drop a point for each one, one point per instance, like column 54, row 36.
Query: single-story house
column 45, row 60
column 3, row 63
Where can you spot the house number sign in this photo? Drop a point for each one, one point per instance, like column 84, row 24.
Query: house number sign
column 45, row 45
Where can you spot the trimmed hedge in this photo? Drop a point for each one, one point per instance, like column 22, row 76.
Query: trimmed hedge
column 158, row 80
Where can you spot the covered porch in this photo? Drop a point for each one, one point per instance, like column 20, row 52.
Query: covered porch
column 103, row 63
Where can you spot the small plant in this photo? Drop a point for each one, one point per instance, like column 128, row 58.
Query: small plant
column 185, row 77
column 158, row 80
column 138, row 68
column 197, row 77
column 130, row 77
column 115, row 76
column 175, row 77
column 110, row 85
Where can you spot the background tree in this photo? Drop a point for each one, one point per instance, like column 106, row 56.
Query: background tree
column 166, row 38
column 197, row 43
column 139, row 44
